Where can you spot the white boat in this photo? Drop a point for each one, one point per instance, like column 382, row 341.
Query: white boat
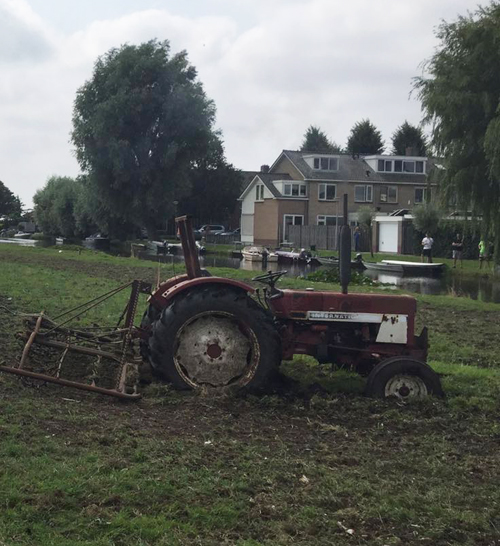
column 258, row 254
column 406, row 268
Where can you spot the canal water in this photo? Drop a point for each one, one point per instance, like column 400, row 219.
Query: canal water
column 477, row 288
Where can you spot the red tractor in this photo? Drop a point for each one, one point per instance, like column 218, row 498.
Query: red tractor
column 201, row 331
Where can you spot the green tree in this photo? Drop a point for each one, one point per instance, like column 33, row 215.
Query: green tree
column 55, row 204
column 215, row 187
column 10, row 205
column 461, row 99
column 365, row 138
column 365, row 219
column 409, row 136
column 427, row 218
column 139, row 125
column 315, row 140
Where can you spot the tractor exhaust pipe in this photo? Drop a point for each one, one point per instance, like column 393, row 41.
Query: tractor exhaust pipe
column 345, row 251
column 189, row 248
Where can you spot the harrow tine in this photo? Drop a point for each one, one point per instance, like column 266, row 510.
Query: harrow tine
column 30, row 341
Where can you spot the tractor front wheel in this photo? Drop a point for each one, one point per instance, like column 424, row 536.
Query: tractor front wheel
column 404, row 378
column 215, row 337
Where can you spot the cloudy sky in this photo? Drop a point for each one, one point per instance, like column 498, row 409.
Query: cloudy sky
column 273, row 67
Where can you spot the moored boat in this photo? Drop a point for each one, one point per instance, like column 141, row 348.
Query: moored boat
column 97, row 241
column 331, row 261
column 258, row 254
column 417, row 269
column 290, row 256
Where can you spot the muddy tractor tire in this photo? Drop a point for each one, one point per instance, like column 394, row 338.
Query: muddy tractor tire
column 404, row 378
column 151, row 314
column 215, row 337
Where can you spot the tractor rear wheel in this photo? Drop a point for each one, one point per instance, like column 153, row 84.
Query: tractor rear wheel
column 404, row 378
column 151, row 314
column 215, row 337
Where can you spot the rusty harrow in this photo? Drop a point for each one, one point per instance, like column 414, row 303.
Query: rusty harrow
column 96, row 359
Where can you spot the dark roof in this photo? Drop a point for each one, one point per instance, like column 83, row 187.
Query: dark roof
column 267, row 180
column 350, row 169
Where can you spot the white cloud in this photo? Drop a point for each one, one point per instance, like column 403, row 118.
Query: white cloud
column 273, row 69
column 23, row 37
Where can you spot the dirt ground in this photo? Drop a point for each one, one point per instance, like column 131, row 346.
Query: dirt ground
column 313, row 463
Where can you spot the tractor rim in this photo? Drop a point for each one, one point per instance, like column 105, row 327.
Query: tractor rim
column 406, row 386
column 215, row 349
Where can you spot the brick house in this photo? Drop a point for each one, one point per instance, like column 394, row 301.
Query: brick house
column 305, row 188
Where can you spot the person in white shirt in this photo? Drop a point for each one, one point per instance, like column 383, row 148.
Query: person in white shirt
column 427, row 243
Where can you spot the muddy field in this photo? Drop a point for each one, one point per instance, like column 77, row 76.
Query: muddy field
column 313, row 463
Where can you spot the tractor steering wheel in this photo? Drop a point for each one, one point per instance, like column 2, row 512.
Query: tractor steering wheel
column 271, row 277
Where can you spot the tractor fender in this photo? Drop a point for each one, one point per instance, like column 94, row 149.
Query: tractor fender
column 162, row 297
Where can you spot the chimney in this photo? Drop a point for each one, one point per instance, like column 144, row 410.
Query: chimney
column 264, row 168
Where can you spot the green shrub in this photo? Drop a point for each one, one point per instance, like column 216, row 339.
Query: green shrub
column 331, row 275
column 446, row 234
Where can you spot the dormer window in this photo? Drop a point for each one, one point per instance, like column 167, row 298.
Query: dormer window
column 326, row 163
column 384, row 166
column 400, row 166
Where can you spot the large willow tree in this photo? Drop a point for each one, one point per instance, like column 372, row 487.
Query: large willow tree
column 140, row 125
column 461, row 99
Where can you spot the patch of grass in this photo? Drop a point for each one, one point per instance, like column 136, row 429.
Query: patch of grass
column 301, row 466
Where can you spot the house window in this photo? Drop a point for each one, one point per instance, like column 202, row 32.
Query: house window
column 363, row 194
column 326, row 163
column 401, row 166
column 384, row 165
column 422, row 195
column 291, row 220
column 259, row 192
column 327, row 192
column 295, row 190
column 325, row 220
column 388, row 194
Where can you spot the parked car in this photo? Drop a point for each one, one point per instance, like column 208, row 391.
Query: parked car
column 212, row 229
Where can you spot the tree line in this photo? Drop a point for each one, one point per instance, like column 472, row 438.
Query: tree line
column 365, row 138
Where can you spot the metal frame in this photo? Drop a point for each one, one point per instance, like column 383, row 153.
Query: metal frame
column 45, row 329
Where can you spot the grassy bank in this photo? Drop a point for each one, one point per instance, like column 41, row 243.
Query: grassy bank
column 315, row 463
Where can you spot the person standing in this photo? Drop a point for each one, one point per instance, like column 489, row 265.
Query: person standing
column 457, row 247
column 357, row 236
column 427, row 243
column 482, row 252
